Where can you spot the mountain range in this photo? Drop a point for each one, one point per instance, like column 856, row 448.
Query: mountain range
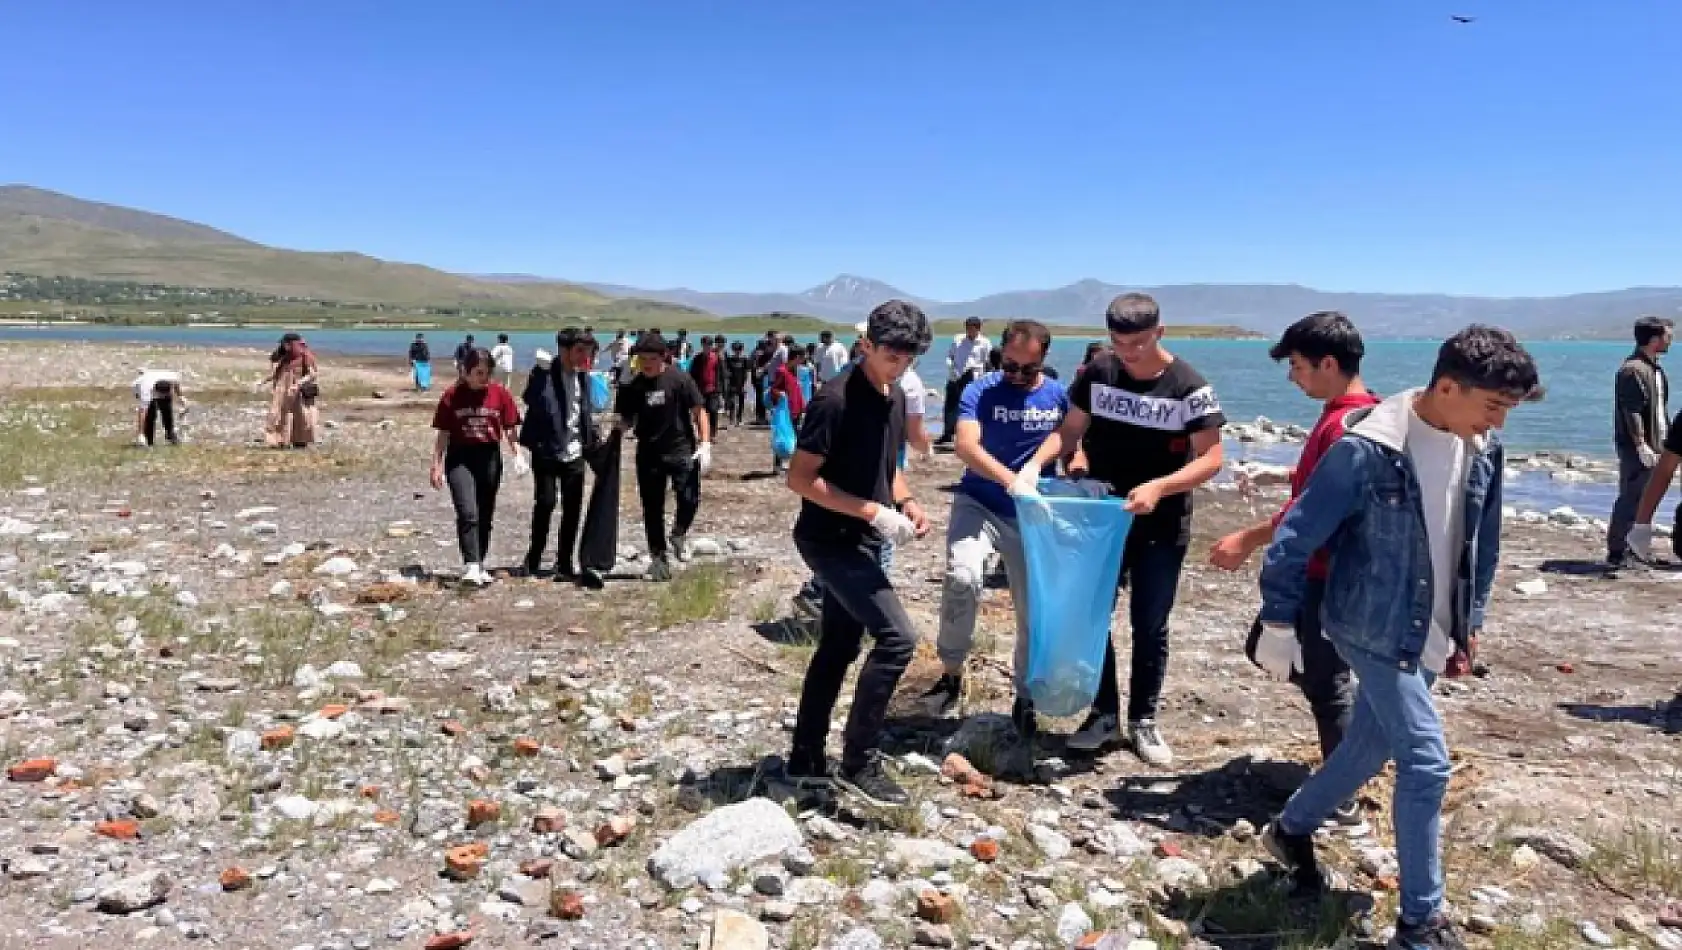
column 47, row 233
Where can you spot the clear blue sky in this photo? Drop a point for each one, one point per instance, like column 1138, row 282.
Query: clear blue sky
column 950, row 147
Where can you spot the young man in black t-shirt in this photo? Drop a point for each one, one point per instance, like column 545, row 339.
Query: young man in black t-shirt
column 855, row 499
column 737, row 367
column 1150, row 426
column 673, row 445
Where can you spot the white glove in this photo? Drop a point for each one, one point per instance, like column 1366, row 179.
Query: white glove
column 543, row 359
column 1026, row 483
column 1278, row 651
column 522, row 468
column 703, row 457
column 1640, row 541
column 1648, row 457
column 894, row 527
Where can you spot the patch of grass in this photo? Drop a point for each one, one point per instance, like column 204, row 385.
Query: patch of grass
column 844, row 870
column 804, row 933
column 1639, row 858
column 52, row 444
column 696, row 594
column 1558, row 934
column 765, row 610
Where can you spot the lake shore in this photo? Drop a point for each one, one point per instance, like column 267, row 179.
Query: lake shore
column 257, row 683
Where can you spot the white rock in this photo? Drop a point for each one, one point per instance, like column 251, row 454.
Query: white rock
column 131, row 894
column 187, row 599
column 295, row 807
column 12, row 702
column 336, row 567
column 449, row 659
column 1532, row 588
column 14, row 528
column 1073, row 923
column 1051, row 843
column 321, row 729
column 729, row 838
column 344, row 670
column 281, row 590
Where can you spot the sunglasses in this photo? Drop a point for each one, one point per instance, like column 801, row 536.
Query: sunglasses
column 1013, row 368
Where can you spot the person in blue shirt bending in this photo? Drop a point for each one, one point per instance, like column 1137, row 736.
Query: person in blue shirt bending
column 1002, row 419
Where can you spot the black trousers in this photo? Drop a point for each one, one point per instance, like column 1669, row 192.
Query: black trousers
column 858, row 599
column 552, row 479
column 474, row 473
column 1150, row 573
column 949, row 407
column 653, row 475
column 1326, row 682
column 735, row 401
column 713, row 403
column 160, row 408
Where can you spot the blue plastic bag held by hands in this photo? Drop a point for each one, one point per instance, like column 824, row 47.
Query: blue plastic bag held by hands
column 1072, row 544
column 601, row 395
column 782, row 429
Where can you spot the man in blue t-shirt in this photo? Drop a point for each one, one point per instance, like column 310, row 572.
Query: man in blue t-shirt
column 1002, row 419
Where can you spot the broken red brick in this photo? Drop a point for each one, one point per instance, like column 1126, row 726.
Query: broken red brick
column 936, row 908
column 33, row 770
column 482, row 812
column 386, row 816
column 453, row 728
column 567, row 905
column 334, row 710
column 1168, row 849
column 548, row 820
column 526, row 747
column 985, row 850
column 123, row 829
column 451, row 941
column 538, row 868
column 235, row 879
column 959, row 770
column 615, row 830
column 464, row 861
column 277, row 738
column 369, row 791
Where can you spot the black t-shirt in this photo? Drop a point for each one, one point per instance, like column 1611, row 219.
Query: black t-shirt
column 659, row 408
column 1141, row 430
column 736, row 370
column 858, row 430
column 1673, row 437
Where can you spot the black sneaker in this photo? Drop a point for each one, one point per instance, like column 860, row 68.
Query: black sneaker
column 870, row 784
column 1349, row 818
column 1673, row 718
column 1022, row 717
column 660, row 570
column 809, row 600
column 942, row 698
column 564, row 571
column 532, row 565
column 1296, row 853
column 1434, row 934
column 808, row 770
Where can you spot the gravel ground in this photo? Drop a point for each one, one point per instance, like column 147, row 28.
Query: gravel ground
column 261, row 714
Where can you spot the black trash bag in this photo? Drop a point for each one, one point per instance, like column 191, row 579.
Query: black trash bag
column 599, row 548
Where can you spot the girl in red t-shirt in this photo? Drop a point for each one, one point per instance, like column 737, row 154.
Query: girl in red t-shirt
column 473, row 417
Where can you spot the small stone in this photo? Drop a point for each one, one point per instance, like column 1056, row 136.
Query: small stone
column 135, row 893
column 122, row 830
column 800, row 861
column 526, row 747
column 1482, row 924
column 1053, row 844
column 1593, row 934
column 538, row 868
column 778, row 912
column 1072, row 923
column 985, row 850
column 610, row 768
column 462, row 863
column 277, row 738
column 482, row 812
column 937, row 908
column 615, row 830
column 548, row 820
column 925, row 934
column 734, row 930
column 454, row 940
column 772, row 881
column 1525, row 858
column 567, row 905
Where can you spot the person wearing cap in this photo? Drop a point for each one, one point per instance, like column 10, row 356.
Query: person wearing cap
column 965, row 361
column 674, row 447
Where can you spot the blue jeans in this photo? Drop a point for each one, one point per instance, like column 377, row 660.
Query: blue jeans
column 1394, row 718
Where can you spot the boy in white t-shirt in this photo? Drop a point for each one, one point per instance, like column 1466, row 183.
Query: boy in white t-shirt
column 157, row 395
column 502, row 357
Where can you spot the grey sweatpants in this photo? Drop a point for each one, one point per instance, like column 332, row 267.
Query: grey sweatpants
column 973, row 534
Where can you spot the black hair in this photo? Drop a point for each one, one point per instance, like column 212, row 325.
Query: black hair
column 1027, row 330
column 826, row 334
column 1322, row 334
column 650, row 344
column 1092, row 351
column 280, row 348
column 1489, row 358
column 735, row 344
column 567, row 339
column 899, row 326
column 706, row 341
column 502, row 338
column 1648, row 329
column 478, row 356
column 470, row 336
column 972, row 321
column 1133, row 313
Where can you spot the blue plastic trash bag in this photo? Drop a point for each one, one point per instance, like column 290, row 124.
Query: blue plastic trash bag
column 805, row 377
column 683, row 364
column 600, row 396
column 423, row 374
column 1072, row 545
column 782, row 429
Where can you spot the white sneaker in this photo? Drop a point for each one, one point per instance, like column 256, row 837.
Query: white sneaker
column 1098, row 731
column 1148, row 744
column 475, row 575
column 140, row 441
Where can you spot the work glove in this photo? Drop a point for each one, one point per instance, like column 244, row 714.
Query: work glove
column 543, row 359
column 1278, row 651
column 522, row 468
column 1648, row 457
column 894, row 527
column 1026, row 484
column 1640, row 541
column 703, row 457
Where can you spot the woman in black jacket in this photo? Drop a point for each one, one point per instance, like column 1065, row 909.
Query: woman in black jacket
column 559, row 427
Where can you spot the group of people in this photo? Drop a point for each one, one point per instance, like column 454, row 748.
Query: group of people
column 1375, row 581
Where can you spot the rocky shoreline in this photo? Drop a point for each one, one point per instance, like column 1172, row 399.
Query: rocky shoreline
column 242, row 702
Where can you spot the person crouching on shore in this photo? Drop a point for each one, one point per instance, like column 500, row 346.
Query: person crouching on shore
column 474, row 417
column 158, row 396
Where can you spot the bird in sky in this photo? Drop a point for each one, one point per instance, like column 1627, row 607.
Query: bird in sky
column 1461, row 19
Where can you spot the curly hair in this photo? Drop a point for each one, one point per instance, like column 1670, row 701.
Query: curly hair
column 1491, row 359
column 899, row 326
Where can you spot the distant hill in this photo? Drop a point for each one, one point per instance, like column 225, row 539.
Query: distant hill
column 50, row 234
column 55, row 235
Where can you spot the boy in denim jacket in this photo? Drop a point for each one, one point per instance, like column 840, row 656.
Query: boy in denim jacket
column 1408, row 507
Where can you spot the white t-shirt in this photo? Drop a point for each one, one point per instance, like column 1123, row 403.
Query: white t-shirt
column 967, row 355
column 148, row 380
column 831, row 362
column 916, row 395
column 503, row 355
column 1440, row 460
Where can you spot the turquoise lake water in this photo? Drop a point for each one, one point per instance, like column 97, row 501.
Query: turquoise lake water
column 1576, row 416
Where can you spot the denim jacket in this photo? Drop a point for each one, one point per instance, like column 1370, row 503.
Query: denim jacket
column 1362, row 504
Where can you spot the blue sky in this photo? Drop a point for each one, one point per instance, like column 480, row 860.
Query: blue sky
column 950, row 147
